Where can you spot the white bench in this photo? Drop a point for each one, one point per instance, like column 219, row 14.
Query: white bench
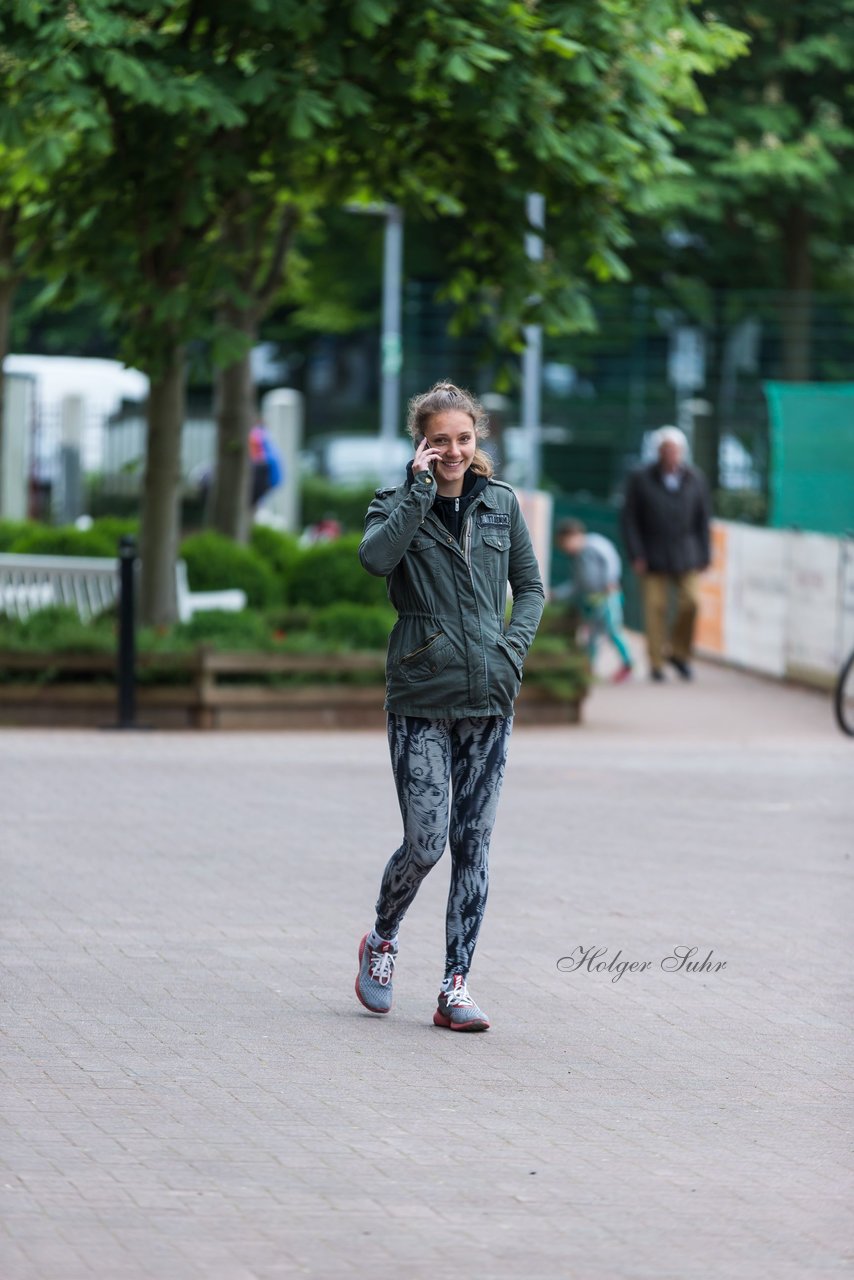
column 232, row 600
column 90, row 585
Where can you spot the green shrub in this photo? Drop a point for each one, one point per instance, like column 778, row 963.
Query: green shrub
column 741, row 504
column 558, row 620
column 330, row 573
column 64, row 540
column 10, row 531
column 30, row 538
column 355, row 626
column 115, row 528
column 289, row 619
column 560, row 688
column 101, row 504
column 215, row 563
column 346, row 503
column 572, row 680
column 554, row 645
column 163, row 640
column 222, row 630
column 278, row 550
column 56, row 629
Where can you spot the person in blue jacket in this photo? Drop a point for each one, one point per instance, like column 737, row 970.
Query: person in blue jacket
column 266, row 463
column 448, row 539
column 594, row 589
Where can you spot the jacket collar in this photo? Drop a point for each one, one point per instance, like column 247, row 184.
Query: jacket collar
column 485, row 494
column 473, row 484
column 681, row 471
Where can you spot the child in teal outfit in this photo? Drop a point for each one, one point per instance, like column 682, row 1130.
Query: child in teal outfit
column 594, row 589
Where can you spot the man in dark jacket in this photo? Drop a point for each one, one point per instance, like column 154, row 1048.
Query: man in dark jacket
column 666, row 531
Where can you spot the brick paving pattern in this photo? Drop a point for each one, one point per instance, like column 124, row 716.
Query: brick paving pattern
column 190, row 1089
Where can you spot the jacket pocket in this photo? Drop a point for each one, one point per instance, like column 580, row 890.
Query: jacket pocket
column 428, row 659
column 495, row 552
column 513, row 654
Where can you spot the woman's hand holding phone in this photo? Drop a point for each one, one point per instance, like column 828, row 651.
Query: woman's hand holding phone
column 425, row 457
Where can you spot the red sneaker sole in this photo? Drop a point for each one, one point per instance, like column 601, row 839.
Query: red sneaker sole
column 364, row 1002
column 439, row 1020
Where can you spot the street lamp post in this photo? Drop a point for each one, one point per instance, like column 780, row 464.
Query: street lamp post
column 391, row 346
column 532, row 361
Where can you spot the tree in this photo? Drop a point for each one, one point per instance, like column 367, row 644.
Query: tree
column 455, row 112
column 137, row 220
column 228, row 123
column 49, row 123
column 770, row 195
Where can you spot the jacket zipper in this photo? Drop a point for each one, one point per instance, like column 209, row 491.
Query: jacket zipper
column 466, row 544
column 426, row 645
column 466, row 535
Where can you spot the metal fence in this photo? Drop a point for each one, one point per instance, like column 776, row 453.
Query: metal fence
column 695, row 357
column 657, row 357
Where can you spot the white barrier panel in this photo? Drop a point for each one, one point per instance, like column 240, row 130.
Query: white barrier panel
column 778, row 601
column 755, row 599
column 812, row 633
column 845, row 642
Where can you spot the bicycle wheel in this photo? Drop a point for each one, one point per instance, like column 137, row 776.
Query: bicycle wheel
column 843, row 700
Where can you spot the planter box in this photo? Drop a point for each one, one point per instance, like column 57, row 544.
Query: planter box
column 203, row 701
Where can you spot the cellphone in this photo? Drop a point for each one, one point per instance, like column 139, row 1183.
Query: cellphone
column 421, row 440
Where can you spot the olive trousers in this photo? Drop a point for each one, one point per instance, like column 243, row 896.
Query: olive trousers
column 677, row 641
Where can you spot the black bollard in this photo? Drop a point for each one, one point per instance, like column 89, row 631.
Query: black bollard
column 127, row 635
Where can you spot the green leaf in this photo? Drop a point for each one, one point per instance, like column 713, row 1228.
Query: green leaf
column 130, row 76
column 459, row 68
column 351, row 99
column 310, row 111
column 554, row 42
column 369, row 15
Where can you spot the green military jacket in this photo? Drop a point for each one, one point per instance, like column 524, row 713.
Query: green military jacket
column 449, row 654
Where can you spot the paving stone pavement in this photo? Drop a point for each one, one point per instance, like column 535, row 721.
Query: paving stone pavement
column 190, row 1089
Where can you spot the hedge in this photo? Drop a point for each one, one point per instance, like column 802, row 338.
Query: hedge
column 66, row 540
column 214, row 563
column 331, row 572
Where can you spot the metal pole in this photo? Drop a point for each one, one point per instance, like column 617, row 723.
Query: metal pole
column 532, row 362
column 391, row 336
column 127, row 635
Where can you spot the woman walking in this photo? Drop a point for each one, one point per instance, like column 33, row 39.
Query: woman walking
column 448, row 539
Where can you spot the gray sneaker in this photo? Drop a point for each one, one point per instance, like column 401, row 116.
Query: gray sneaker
column 373, row 982
column 457, row 1011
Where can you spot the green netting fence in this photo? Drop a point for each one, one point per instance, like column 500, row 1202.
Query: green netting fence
column 811, row 479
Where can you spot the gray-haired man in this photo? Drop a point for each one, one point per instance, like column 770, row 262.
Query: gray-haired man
column 666, row 531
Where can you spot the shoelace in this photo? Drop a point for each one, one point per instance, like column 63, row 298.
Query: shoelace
column 382, row 966
column 458, row 996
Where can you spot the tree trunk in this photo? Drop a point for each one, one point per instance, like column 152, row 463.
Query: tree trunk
column 797, row 308
column 235, row 414
column 7, row 294
column 162, row 494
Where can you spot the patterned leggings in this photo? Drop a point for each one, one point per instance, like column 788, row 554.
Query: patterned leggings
column 428, row 756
